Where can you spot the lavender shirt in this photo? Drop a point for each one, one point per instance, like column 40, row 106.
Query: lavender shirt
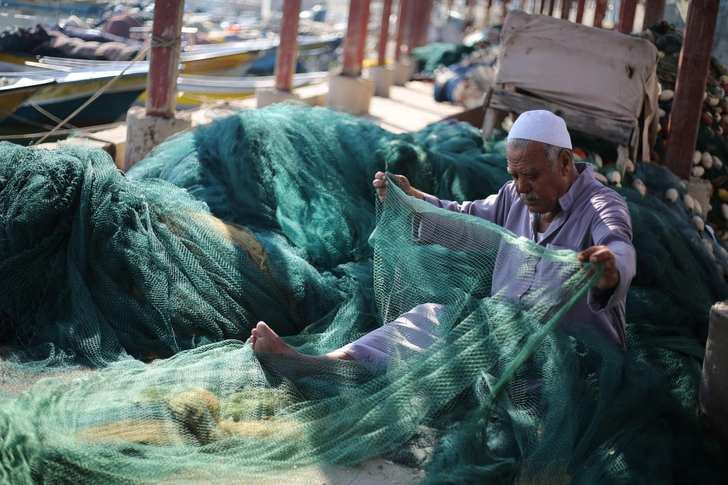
column 592, row 215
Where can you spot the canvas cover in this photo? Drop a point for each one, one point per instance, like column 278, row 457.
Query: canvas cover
column 597, row 71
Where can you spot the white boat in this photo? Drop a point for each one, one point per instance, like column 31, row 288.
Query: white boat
column 192, row 91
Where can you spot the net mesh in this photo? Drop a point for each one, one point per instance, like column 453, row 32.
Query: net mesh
column 127, row 299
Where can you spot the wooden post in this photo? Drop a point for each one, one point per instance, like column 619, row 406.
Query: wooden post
column 692, row 72
column 625, row 21
column 551, row 7
column 654, row 12
column 164, row 59
column 419, row 25
column 543, row 4
column 429, row 4
column 487, row 13
column 403, row 26
column 363, row 34
column 565, row 9
column 580, row 11
column 354, row 33
column 599, row 10
column 470, row 16
column 287, row 53
column 384, row 33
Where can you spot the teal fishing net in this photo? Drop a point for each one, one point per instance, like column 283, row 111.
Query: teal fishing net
column 126, row 301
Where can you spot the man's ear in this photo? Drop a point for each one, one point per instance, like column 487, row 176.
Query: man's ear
column 565, row 161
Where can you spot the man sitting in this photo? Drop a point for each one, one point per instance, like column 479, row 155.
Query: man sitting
column 552, row 201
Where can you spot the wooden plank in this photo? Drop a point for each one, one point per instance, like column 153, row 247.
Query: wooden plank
column 692, row 72
column 474, row 116
column 615, row 131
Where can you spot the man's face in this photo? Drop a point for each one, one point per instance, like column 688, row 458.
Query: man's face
column 536, row 183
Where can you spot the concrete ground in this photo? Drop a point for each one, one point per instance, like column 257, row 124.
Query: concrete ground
column 409, row 108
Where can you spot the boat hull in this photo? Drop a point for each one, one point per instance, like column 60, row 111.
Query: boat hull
column 62, row 99
column 13, row 96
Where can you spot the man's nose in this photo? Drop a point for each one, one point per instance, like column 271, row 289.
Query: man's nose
column 522, row 185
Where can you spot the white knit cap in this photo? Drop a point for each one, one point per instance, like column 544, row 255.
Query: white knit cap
column 543, row 126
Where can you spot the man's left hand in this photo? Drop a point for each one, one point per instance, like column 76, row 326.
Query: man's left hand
column 602, row 254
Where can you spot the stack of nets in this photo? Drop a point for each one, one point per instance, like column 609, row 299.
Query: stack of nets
column 126, row 302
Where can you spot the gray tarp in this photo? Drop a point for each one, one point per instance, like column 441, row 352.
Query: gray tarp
column 596, row 71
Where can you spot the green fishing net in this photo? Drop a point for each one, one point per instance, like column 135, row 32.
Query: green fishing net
column 126, row 301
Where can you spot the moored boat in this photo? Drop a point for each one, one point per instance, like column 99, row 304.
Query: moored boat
column 14, row 92
column 75, row 86
column 193, row 90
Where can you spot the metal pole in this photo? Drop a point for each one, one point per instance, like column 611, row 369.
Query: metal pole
column 287, row 52
column 692, row 72
column 164, row 59
column 625, row 22
column 654, row 12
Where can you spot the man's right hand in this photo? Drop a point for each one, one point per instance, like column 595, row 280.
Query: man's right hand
column 380, row 183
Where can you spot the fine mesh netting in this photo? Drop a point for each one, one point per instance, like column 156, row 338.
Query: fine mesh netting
column 126, row 301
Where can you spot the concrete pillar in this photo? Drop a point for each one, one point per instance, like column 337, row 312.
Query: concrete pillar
column 349, row 91
column 625, row 21
column 403, row 70
column 267, row 96
column 654, row 12
column 565, row 9
column 692, row 72
column 383, row 78
column 286, row 57
column 149, row 126
column 164, row 58
column 287, row 52
column 381, row 74
column 146, row 132
column 580, row 11
column 713, row 394
column 599, row 10
column 351, row 94
column 384, row 33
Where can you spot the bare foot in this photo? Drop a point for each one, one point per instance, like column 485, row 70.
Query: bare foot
column 266, row 341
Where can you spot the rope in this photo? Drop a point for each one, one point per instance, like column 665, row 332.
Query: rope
column 63, row 132
column 46, row 113
column 156, row 42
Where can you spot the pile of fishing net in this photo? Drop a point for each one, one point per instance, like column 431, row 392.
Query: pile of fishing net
column 127, row 299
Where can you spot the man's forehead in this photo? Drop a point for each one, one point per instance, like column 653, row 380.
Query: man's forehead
column 522, row 159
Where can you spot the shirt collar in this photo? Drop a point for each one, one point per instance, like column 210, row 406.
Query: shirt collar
column 584, row 180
